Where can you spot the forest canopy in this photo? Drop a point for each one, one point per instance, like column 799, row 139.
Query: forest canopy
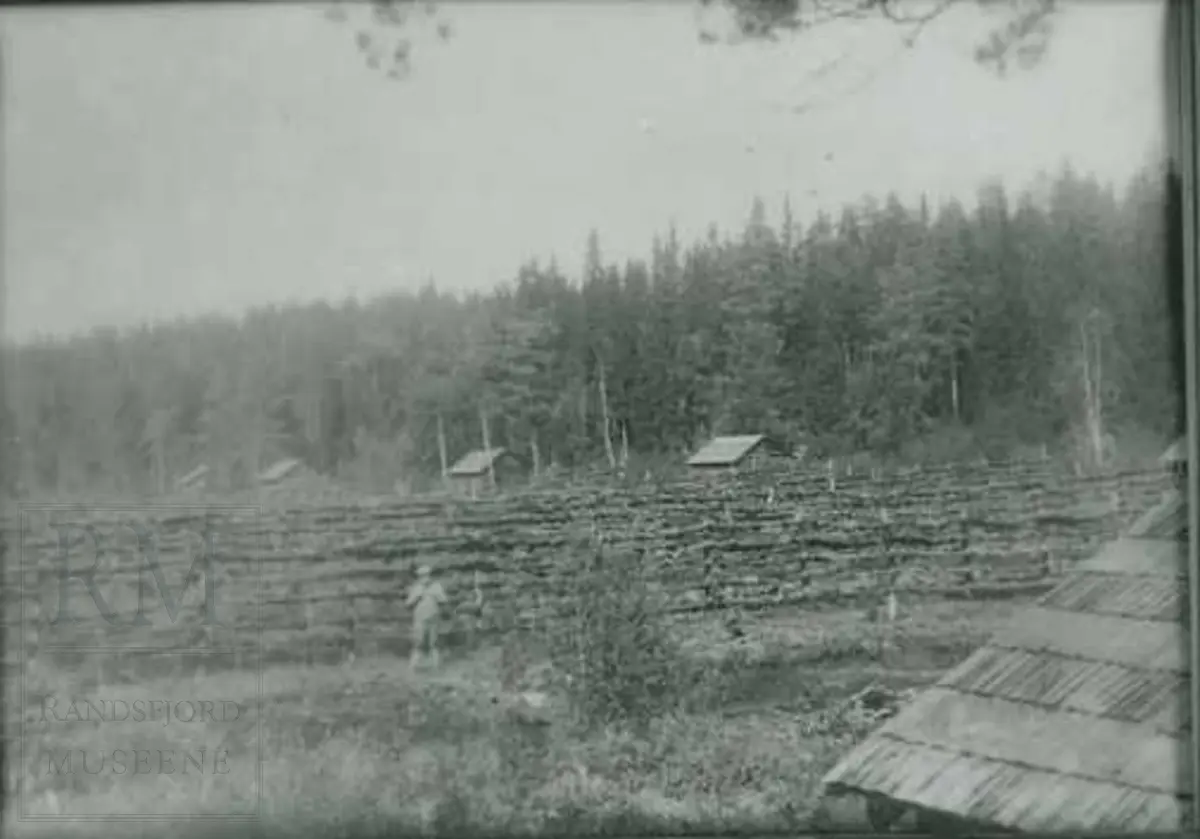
column 1039, row 318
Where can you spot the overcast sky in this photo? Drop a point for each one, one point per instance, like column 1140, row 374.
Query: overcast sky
column 176, row 160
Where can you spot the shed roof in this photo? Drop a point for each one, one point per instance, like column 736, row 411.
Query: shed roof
column 194, row 476
column 476, row 463
column 278, row 470
column 1176, row 453
column 1074, row 717
column 726, row 451
column 1167, row 520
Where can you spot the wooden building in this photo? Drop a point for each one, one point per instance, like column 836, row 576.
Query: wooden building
column 470, row 474
column 734, row 454
column 194, row 481
column 1073, row 718
column 278, row 472
column 1175, row 457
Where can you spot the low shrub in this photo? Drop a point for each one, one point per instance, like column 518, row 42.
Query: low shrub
column 617, row 660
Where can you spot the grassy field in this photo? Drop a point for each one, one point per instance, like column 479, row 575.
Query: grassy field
column 368, row 744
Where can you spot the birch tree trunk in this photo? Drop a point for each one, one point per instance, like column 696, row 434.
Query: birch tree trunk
column 160, row 464
column 1098, row 403
column 1087, row 386
column 487, row 446
column 441, row 441
column 954, row 405
column 1091, row 394
column 312, row 415
column 582, row 409
column 606, row 422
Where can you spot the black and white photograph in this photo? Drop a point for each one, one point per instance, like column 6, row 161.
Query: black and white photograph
column 586, row 417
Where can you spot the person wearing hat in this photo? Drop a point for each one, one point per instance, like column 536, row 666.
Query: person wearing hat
column 428, row 596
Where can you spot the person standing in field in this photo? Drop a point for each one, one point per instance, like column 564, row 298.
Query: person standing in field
column 427, row 595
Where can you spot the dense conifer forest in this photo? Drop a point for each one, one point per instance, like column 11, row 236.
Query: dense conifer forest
column 923, row 331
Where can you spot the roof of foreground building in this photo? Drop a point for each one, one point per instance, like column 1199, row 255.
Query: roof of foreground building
column 1075, row 717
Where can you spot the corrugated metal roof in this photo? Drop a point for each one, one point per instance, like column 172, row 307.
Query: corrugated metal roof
column 475, row 463
column 1074, row 717
column 726, row 451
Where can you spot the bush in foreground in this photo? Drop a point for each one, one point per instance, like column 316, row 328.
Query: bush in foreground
column 617, row 660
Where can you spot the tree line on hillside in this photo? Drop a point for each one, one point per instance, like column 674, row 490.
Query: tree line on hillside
column 1041, row 318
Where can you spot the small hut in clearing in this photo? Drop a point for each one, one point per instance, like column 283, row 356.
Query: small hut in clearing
column 1074, row 718
column 1175, row 457
column 279, row 471
column 193, row 481
column 470, row 474
column 739, row 453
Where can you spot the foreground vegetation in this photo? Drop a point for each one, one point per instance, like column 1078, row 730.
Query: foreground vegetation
column 611, row 709
column 368, row 746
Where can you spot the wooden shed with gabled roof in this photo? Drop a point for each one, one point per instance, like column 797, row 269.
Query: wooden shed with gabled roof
column 1076, row 717
column 279, row 471
column 1176, row 455
column 735, row 453
column 470, row 473
column 195, row 480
